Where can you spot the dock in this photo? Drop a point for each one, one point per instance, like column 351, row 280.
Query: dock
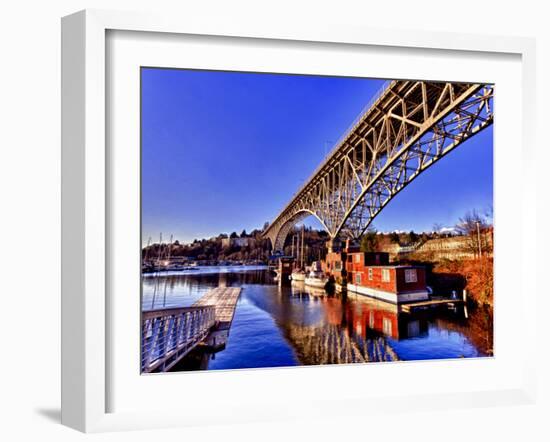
column 168, row 335
column 224, row 300
column 411, row 306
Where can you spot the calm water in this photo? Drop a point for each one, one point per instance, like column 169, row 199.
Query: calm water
column 285, row 326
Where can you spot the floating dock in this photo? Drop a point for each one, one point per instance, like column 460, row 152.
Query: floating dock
column 170, row 334
column 224, row 300
column 410, row 307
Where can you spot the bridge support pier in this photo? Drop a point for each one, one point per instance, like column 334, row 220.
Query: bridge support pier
column 285, row 270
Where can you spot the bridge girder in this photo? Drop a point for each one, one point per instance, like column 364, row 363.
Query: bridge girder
column 411, row 126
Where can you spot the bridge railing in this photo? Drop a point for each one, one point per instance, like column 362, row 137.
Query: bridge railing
column 360, row 116
column 385, row 85
column 168, row 334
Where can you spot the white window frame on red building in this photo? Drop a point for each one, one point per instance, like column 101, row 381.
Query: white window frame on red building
column 411, row 276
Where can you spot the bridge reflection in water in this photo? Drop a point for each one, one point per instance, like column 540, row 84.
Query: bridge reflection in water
column 355, row 329
column 284, row 326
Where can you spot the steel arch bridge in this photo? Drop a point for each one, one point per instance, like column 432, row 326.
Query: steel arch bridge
column 408, row 127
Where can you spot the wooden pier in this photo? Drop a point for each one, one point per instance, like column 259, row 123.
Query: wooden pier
column 411, row 306
column 170, row 334
column 224, row 299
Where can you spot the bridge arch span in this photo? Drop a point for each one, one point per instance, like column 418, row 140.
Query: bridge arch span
column 278, row 233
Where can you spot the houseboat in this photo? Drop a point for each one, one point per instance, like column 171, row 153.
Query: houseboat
column 371, row 274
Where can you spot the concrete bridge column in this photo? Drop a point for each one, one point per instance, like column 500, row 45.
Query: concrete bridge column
column 285, row 270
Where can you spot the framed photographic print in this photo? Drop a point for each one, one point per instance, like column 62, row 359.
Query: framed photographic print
column 252, row 212
column 319, row 284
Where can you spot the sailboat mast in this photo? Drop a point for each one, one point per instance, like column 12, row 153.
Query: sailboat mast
column 302, row 246
column 168, row 257
column 146, row 255
column 169, row 254
column 159, row 254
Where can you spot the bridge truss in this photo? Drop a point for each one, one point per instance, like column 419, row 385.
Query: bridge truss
column 411, row 126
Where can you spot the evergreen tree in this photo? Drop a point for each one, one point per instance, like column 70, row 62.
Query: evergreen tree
column 369, row 241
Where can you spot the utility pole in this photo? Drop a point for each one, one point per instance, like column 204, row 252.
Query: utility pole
column 478, row 239
column 479, row 248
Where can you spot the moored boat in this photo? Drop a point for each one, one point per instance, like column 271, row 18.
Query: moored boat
column 316, row 277
column 298, row 275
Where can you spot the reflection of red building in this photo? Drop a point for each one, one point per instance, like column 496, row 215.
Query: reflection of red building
column 381, row 321
column 381, row 318
column 371, row 274
column 359, row 318
column 334, row 312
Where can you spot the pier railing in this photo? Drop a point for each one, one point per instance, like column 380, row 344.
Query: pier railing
column 168, row 334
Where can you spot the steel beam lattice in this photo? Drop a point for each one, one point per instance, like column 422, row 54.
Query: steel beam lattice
column 408, row 128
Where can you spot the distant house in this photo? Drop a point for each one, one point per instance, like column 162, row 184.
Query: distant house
column 237, row 242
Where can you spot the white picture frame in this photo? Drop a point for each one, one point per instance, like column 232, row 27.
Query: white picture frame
column 85, row 208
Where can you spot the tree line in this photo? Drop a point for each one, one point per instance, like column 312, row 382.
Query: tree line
column 213, row 249
column 473, row 225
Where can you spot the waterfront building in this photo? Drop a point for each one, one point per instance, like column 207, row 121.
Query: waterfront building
column 371, row 274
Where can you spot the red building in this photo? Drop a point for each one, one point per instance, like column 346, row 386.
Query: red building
column 372, row 275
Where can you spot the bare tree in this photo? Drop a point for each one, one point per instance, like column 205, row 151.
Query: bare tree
column 488, row 212
column 477, row 229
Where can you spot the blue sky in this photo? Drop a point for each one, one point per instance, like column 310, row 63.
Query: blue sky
column 225, row 151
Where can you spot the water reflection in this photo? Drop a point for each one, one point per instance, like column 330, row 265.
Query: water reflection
column 297, row 325
column 181, row 289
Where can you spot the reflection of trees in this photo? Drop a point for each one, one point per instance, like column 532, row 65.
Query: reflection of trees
column 333, row 345
column 320, row 328
column 158, row 289
column 478, row 328
column 210, row 279
column 335, row 341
